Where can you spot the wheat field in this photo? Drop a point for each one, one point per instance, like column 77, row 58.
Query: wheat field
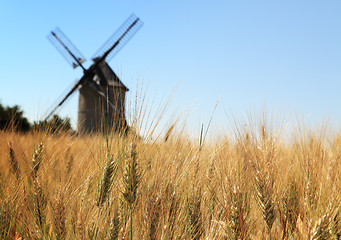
column 255, row 185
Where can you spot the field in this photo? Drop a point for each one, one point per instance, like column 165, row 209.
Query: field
column 255, row 185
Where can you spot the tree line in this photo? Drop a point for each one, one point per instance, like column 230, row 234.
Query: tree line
column 12, row 118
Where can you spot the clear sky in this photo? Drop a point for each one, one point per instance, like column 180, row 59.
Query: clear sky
column 285, row 55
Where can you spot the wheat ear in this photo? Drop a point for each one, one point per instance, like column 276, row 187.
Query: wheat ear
column 289, row 209
column 37, row 159
column 264, row 196
column 194, row 215
column 13, row 161
column 152, row 213
column 59, row 216
column 115, row 225
column 131, row 181
column 106, row 180
column 239, row 213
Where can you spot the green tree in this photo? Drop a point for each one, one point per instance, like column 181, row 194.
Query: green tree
column 55, row 125
column 13, row 118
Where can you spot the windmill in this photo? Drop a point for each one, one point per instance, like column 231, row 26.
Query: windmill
column 101, row 93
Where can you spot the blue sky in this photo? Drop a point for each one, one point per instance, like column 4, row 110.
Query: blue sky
column 285, row 55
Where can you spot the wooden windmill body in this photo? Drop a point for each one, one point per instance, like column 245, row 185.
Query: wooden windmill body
column 101, row 103
column 93, row 110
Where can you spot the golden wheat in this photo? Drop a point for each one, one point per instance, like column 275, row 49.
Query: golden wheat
column 251, row 187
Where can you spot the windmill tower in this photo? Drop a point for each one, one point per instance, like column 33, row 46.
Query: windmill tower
column 101, row 102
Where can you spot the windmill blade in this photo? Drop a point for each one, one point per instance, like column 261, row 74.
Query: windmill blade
column 63, row 100
column 66, row 48
column 86, row 76
column 114, row 44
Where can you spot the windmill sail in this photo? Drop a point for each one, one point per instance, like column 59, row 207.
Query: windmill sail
column 114, row 44
column 66, row 48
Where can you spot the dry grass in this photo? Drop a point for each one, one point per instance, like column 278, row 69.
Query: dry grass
column 252, row 187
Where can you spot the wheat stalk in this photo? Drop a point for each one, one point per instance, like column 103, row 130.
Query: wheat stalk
column 172, row 210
